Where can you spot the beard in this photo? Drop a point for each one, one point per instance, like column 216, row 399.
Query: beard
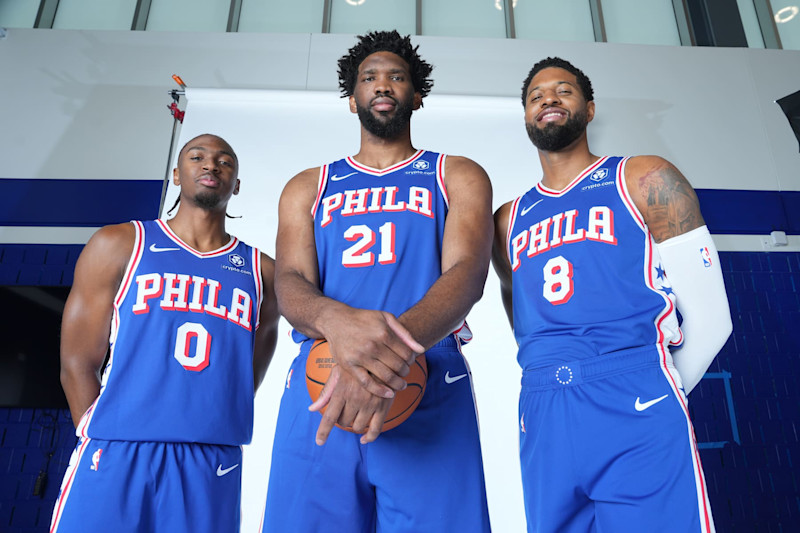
column 390, row 127
column 207, row 200
column 553, row 137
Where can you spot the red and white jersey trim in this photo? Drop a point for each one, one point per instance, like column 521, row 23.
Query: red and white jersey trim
column 177, row 240
column 66, row 485
column 591, row 168
column 380, row 172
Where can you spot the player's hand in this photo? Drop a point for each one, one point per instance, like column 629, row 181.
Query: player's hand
column 374, row 347
column 349, row 404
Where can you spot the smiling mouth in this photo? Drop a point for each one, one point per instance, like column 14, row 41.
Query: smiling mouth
column 550, row 116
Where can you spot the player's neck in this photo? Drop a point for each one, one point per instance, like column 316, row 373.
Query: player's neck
column 201, row 229
column 560, row 168
column 379, row 153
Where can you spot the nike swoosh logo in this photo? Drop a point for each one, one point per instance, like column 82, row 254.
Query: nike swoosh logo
column 449, row 380
column 525, row 211
column 221, row 472
column 337, row 178
column 154, row 248
column 642, row 406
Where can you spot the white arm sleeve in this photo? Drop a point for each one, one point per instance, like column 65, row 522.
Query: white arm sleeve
column 692, row 267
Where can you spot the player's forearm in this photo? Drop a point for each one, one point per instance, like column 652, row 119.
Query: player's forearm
column 81, row 386
column 266, row 340
column 710, row 331
column 693, row 268
column 304, row 306
column 446, row 304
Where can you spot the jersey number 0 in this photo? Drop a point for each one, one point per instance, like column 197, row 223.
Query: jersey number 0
column 192, row 333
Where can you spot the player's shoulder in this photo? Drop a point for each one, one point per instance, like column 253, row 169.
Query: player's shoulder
column 108, row 250
column 266, row 261
column 458, row 162
column 642, row 165
column 302, row 187
column 113, row 237
column 305, row 179
column 504, row 210
column 460, row 168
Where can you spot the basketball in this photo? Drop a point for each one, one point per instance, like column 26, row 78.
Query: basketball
column 318, row 368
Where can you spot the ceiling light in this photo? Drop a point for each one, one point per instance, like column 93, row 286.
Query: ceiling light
column 355, row 2
column 786, row 14
column 498, row 4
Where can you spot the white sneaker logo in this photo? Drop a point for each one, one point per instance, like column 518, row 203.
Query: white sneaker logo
column 525, row 211
column 338, row 178
column 642, row 406
column 449, row 380
column 221, row 472
column 154, row 248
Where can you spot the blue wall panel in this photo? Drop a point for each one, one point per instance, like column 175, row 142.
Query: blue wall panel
column 77, row 203
column 750, row 212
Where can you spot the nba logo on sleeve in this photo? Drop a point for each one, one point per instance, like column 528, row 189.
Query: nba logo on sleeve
column 706, row 257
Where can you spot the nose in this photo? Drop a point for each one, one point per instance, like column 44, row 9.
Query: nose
column 550, row 98
column 211, row 165
column 383, row 85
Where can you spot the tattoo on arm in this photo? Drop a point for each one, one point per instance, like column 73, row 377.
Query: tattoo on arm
column 671, row 206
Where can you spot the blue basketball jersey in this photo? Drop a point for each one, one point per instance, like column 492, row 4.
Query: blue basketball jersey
column 587, row 278
column 379, row 233
column 181, row 347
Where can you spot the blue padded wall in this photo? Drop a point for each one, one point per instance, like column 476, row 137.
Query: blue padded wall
column 32, row 441
column 746, row 411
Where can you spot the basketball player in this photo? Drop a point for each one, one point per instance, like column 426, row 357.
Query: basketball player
column 592, row 261
column 383, row 254
column 191, row 316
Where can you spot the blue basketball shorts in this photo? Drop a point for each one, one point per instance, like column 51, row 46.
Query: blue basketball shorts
column 606, row 444
column 124, row 486
column 424, row 476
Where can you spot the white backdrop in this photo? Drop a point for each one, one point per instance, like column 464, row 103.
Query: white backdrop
column 276, row 134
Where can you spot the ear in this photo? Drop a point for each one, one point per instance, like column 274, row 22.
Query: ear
column 353, row 108
column 590, row 110
column 417, row 101
column 236, row 188
column 176, row 177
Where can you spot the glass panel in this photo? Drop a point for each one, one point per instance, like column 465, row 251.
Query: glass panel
column 787, row 20
column 18, row 13
column 94, row 14
column 637, row 22
column 297, row 16
column 361, row 16
column 565, row 20
column 752, row 30
column 463, row 18
column 188, row 15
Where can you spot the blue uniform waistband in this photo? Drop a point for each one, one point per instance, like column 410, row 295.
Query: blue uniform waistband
column 571, row 373
column 451, row 341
